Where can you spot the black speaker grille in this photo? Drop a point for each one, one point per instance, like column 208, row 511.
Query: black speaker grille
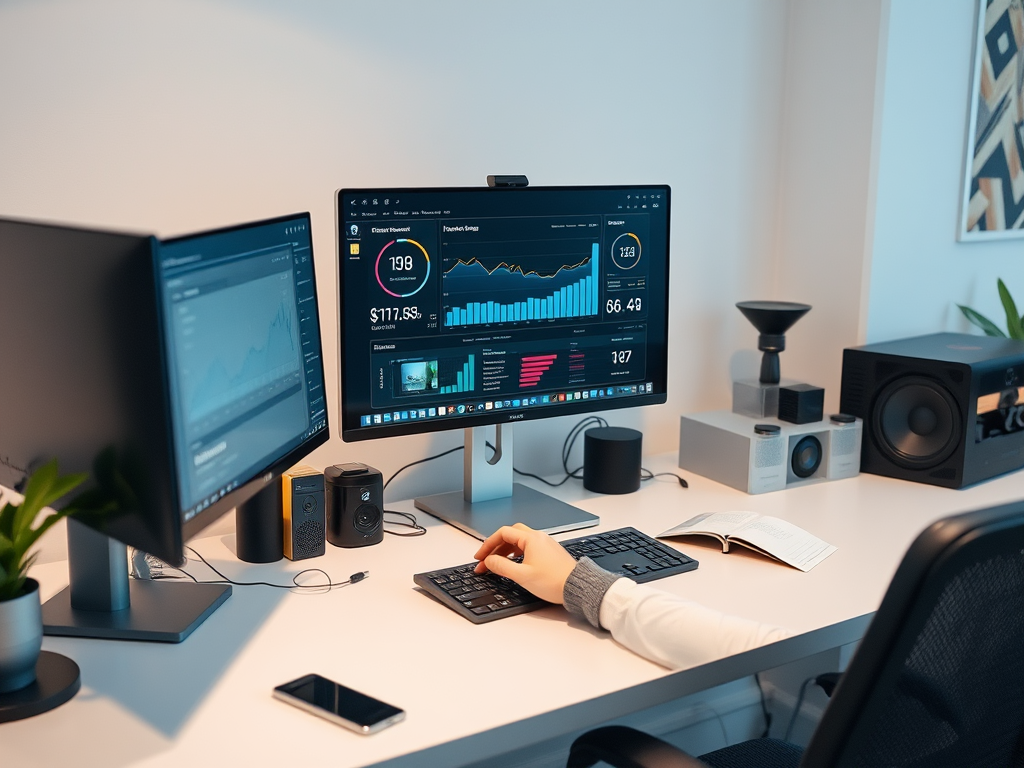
column 308, row 539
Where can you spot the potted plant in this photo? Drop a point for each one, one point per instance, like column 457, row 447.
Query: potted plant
column 21, row 625
column 1014, row 322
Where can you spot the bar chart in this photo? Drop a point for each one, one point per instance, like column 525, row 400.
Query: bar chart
column 578, row 298
column 456, row 376
column 533, row 368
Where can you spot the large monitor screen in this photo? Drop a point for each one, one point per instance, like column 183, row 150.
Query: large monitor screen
column 244, row 359
column 468, row 306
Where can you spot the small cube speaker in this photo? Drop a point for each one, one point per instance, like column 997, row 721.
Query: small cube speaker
column 355, row 505
column 801, row 403
column 304, row 511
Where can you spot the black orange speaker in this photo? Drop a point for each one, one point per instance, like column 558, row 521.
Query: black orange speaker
column 305, row 516
column 945, row 409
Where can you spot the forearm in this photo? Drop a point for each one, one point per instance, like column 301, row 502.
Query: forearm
column 666, row 629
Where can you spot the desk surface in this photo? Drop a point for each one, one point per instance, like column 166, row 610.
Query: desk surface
column 208, row 700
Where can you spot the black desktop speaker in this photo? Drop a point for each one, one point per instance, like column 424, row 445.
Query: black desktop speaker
column 305, row 513
column 945, row 409
column 355, row 505
column 611, row 459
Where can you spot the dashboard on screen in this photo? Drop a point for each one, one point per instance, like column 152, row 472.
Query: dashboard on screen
column 468, row 306
column 244, row 359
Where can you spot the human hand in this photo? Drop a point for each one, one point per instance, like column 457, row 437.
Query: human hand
column 545, row 566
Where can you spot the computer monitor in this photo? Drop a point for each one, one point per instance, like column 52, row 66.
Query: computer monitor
column 245, row 366
column 108, row 354
column 467, row 307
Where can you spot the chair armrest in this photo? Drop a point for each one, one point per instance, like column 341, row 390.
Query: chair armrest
column 624, row 747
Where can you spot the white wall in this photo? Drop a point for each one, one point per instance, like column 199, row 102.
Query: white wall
column 175, row 116
column 919, row 271
column 825, row 187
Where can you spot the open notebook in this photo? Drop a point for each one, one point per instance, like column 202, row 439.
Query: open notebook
column 770, row 536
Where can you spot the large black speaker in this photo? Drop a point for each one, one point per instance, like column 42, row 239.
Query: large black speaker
column 945, row 409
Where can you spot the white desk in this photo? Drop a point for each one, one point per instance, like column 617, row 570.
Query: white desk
column 207, row 701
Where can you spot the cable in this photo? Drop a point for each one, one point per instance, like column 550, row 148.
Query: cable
column 420, row 461
column 567, row 445
column 651, row 475
column 355, row 578
column 418, row 530
column 796, row 709
column 764, row 707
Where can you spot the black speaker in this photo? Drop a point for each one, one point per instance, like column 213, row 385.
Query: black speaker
column 355, row 505
column 304, row 510
column 611, row 459
column 945, row 409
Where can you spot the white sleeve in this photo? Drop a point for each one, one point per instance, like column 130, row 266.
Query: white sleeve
column 676, row 632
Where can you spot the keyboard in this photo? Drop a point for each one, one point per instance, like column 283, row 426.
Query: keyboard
column 487, row 597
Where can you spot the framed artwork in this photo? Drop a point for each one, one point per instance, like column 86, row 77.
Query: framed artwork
column 993, row 194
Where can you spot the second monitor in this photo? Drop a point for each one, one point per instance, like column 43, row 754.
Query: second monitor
column 465, row 307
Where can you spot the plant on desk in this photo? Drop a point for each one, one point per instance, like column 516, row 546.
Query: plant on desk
column 1014, row 322
column 21, row 624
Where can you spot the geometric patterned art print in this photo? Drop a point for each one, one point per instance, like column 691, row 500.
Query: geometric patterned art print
column 993, row 201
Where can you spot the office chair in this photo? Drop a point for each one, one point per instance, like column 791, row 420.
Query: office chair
column 937, row 682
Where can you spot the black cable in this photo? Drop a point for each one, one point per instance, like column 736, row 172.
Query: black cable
column 355, row 578
column 764, row 707
column 796, row 709
column 651, row 475
column 570, row 474
column 418, row 530
column 421, row 461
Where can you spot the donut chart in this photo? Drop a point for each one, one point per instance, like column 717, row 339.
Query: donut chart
column 626, row 250
column 402, row 268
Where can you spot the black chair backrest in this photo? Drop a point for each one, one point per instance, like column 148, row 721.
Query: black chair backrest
column 938, row 679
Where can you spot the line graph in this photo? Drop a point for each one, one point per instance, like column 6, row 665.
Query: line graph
column 236, row 342
column 509, row 291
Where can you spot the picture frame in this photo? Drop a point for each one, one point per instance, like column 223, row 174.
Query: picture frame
column 992, row 202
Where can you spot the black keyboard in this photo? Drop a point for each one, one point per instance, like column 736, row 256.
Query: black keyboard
column 487, row 597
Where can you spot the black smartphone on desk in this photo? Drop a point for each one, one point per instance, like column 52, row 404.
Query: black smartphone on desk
column 343, row 706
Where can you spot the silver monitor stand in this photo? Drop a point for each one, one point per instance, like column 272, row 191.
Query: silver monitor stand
column 490, row 499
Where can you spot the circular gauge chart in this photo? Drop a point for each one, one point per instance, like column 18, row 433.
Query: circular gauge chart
column 626, row 251
column 402, row 268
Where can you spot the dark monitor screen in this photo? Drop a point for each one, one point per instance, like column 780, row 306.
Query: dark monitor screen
column 462, row 307
column 84, row 373
column 244, row 359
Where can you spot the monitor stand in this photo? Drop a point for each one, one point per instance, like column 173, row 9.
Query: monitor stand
column 490, row 499
column 102, row 602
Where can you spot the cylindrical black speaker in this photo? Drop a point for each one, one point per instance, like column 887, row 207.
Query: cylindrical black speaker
column 354, row 494
column 259, row 531
column 611, row 459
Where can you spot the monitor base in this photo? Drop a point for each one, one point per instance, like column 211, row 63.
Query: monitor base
column 482, row 518
column 160, row 612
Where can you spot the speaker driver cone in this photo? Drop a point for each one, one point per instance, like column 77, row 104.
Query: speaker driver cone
column 806, row 457
column 917, row 422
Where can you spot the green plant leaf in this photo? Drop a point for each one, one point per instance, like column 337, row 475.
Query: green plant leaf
column 978, row 319
column 7, row 520
column 1013, row 326
column 39, row 483
column 27, row 538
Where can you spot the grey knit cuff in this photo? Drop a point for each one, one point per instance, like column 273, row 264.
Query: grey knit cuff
column 584, row 590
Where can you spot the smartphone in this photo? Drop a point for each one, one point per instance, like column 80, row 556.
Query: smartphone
column 331, row 701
